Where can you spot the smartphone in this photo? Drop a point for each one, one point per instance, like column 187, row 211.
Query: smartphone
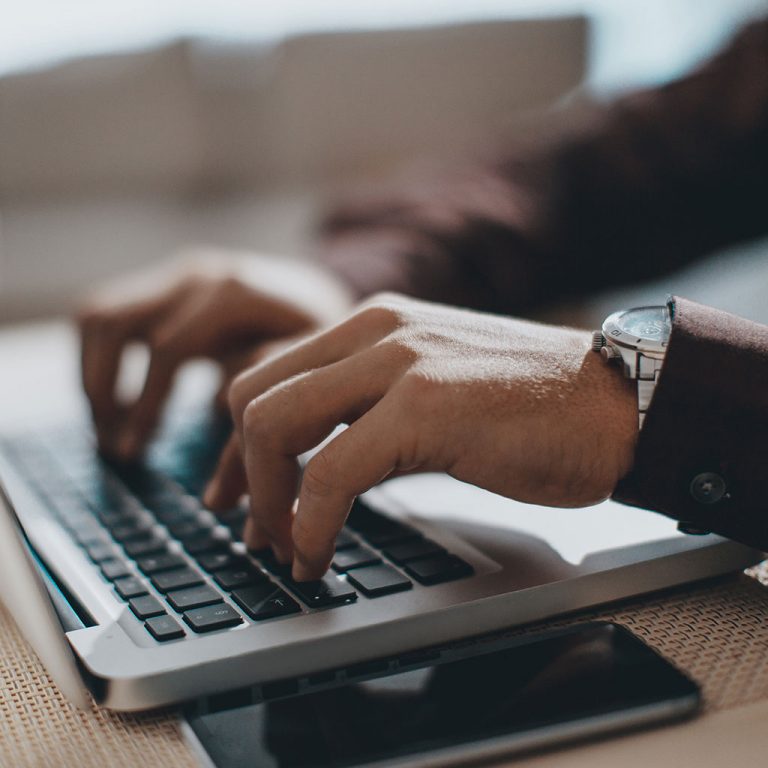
column 483, row 700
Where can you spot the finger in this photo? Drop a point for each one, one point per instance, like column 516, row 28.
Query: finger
column 184, row 333
column 352, row 463
column 101, row 352
column 141, row 419
column 228, row 483
column 357, row 333
column 294, row 417
column 104, row 331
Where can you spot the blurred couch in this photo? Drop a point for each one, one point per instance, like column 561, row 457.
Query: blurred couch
column 109, row 162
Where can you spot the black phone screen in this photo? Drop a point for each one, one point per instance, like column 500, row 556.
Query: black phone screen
column 583, row 673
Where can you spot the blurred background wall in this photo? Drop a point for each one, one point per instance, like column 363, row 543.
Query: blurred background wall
column 129, row 130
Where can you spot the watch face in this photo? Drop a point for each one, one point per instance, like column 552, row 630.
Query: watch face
column 647, row 323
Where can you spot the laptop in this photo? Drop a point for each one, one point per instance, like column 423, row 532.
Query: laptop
column 128, row 587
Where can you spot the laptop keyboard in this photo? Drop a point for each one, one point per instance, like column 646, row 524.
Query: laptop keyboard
column 181, row 570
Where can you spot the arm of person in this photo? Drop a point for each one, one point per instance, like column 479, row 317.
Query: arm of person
column 525, row 410
column 631, row 190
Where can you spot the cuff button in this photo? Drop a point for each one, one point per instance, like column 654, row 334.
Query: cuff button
column 691, row 529
column 707, row 488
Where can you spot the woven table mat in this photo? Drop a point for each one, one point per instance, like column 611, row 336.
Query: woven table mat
column 716, row 631
column 39, row 729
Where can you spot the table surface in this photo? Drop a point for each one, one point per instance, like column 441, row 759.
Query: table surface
column 716, row 631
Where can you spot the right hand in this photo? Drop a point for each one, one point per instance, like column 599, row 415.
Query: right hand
column 230, row 307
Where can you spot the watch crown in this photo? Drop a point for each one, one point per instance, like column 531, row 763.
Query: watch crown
column 598, row 341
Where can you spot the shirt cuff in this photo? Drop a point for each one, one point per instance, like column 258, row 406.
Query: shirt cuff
column 702, row 454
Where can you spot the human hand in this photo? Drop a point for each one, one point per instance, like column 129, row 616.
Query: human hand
column 234, row 308
column 524, row 410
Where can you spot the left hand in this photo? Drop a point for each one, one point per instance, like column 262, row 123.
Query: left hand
column 521, row 409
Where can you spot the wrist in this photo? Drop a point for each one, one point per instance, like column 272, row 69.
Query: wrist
column 616, row 400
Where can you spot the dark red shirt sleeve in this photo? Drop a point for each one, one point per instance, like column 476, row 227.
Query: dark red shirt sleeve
column 636, row 188
column 702, row 454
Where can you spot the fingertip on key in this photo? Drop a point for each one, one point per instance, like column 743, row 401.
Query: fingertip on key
column 303, row 570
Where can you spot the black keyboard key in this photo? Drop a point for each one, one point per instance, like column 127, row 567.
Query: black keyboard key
column 174, row 516
column 193, row 597
column 392, row 533
column 328, row 591
column 146, row 606
column 99, row 551
column 378, row 580
column 151, row 545
column 170, row 503
column 115, row 518
column 360, row 516
column 130, row 587
column 140, row 479
column 215, row 561
column 211, row 542
column 345, row 540
column 164, row 628
column 439, row 569
column 115, row 569
column 178, row 579
column 354, row 557
column 265, row 601
column 87, row 533
column 130, row 531
column 241, row 576
column 188, row 528
column 413, row 550
column 213, row 617
column 271, row 563
column 157, row 563
column 378, row 529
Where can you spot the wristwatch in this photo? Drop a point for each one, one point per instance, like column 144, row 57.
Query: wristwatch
column 638, row 337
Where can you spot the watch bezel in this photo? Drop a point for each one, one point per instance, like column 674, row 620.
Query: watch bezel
column 613, row 334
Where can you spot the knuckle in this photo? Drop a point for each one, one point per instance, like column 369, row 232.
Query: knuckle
column 163, row 346
column 418, row 387
column 318, row 477
column 238, row 395
column 383, row 310
column 397, row 347
column 227, row 285
column 87, row 317
column 256, row 421
column 96, row 316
